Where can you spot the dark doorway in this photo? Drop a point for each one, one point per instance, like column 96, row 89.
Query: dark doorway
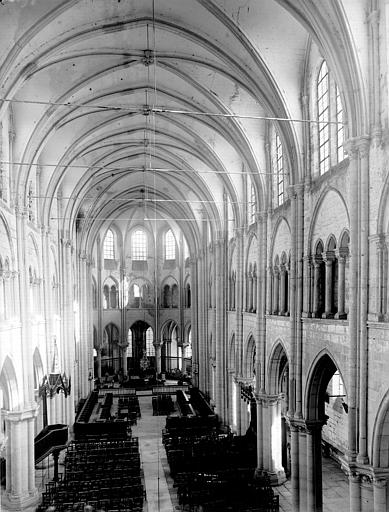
column 138, row 329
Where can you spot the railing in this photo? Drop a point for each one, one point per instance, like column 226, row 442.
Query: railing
column 52, row 437
column 117, row 391
column 169, row 389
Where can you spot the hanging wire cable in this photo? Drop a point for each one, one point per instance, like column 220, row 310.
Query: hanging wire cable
column 153, row 200
column 162, row 110
column 109, row 169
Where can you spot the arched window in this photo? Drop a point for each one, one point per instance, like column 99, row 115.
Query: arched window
column 253, row 204
column 150, row 350
column 319, row 279
column 106, row 297
column 129, row 341
column 188, row 349
column 284, row 285
column 30, row 201
column 175, row 298
column 170, row 246
column 109, row 246
column 188, row 298
column 339, row 126
column 323, row 116
column 94, row 294
column 136, row 296
column 113, row 297
column 255, row 288
column 279, row 172
column 276, row 286
column 166, row 296
column 342, row 257
column 139, row 245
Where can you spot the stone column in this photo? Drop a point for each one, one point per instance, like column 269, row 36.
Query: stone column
column 353, row 331
column 355, row 492
column 269, row 282
column 98, row 362
column 380, row 494
column 262, row 288
column 68, row 328
column 123, row 347
column 27, row 381
column 303, row 470
column 341, row 256
column 276, row 288
column 83, row 324
column 220, row 328
column 381, row 250
column 363, row 144
column 260, row 441
column 197, row 321
column 294, row 462
column 251, row 292
column 230, row 396
column 314, row 467
column 373, row 22
column 271, row 450
column 157, row 348
column 20, row 490
column 282, row 308
column 316, row 282
column 255, row 292
column 307, row 312
column 238, row 412
column 329, row 261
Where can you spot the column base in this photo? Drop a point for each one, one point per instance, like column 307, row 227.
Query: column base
column 276, row 477
column 362, row 459
column 341, row 316
column 376, row 317
column 12, row 503
column 327, row 315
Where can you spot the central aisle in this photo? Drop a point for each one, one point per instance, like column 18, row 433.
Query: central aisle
column 162, row 497
column 154, row 462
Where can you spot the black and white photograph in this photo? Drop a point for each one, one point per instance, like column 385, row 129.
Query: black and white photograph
column 194, row 255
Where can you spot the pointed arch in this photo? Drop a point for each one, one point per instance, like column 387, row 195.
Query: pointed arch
column 9, row 386
column 278, row 369
column 380, row 438
column 232, row 353
column 249, row 357
column 319, row 375
column 38, row 368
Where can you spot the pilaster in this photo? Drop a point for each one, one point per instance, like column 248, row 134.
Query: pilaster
column 20, row 492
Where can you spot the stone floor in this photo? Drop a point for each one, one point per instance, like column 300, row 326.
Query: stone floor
column 335, row 489
column 162, row 497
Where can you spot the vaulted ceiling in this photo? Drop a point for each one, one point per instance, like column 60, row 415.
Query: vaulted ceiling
column 134, row 109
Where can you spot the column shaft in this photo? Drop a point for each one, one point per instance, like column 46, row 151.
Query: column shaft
column 355, row 493
column 353, row 303
column 363, row 146
column 341, row 287
column 328, row 293
column 380, row 495
column 295, row 473
column 276, row 289
column 316, row 291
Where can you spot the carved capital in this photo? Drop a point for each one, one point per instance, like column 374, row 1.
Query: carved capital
column 363, row 145
column 350, row 148
column 328, row 257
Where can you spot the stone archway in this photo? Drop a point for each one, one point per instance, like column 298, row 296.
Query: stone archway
column 278, row 398
column 309, row 450
column 138, row 329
